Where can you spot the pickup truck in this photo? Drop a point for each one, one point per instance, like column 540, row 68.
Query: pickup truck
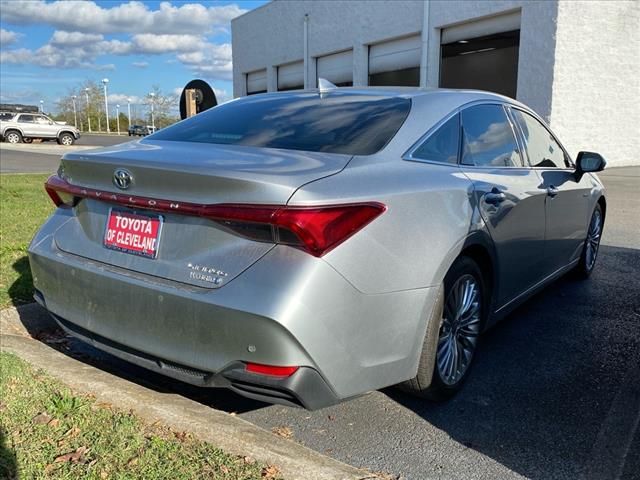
column 24, row 127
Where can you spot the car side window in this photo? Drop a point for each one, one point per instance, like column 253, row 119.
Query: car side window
column 42, row 120
column 25, row 119
column 442, row 145
column 488, row 139
column 543, row 149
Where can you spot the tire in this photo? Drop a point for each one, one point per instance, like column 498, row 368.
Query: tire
column 591, row 245
column 13, row 136
column 66, row 139
column 441, row 374
column 27, row 140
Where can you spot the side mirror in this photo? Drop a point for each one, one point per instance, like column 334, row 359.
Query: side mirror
column 589, row 162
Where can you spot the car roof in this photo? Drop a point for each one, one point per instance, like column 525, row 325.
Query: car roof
column 420, row 96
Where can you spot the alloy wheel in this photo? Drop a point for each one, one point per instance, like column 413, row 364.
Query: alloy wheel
column 66, row 140
column 593, row 239
column 13, row 138
column 459, row 330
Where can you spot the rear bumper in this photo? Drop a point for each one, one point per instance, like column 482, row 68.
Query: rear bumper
column 305, row 388
column 288, row 309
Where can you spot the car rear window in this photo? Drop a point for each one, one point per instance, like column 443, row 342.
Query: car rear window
column 353, row 124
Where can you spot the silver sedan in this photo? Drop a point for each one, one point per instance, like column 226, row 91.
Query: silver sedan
column 306, row 247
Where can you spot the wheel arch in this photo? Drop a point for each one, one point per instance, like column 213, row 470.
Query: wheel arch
column 479, row 247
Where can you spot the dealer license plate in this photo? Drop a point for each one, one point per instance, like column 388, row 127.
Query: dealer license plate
column 135, row 233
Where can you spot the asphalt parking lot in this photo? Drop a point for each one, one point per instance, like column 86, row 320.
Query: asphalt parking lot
column 555, row 392
column 44, row 157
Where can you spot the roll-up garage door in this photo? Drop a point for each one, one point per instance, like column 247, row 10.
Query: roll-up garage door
column 396, row 62
column 337, row 68
column 480, row 28
column 482, row 54
column 291, row 76
column 257, row 82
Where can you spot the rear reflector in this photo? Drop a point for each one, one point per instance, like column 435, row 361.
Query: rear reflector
column 270, row 370
column 316, row 229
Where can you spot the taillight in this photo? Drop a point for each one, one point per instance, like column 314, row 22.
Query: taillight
column 316, row 229
column 270, row 370
column 60, row 197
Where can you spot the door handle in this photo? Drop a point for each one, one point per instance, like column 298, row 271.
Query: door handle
column 552, row 191
column 494, row 197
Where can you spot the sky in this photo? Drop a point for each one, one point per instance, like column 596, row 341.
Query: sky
column 48, row 47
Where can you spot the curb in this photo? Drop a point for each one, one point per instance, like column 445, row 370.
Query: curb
column 46, row 149
column 230, row 433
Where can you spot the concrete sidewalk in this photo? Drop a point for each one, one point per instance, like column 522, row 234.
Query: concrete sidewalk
column 19, row 329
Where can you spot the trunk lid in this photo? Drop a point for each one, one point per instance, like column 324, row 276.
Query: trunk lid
column 191, row 250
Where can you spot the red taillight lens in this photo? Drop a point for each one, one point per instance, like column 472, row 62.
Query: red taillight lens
column 60, row 197
column 270, row 370
column 317, row 230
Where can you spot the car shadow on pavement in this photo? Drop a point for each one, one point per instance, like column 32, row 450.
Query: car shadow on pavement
column 547, row 395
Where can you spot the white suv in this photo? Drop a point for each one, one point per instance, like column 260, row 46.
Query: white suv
column 28, row 126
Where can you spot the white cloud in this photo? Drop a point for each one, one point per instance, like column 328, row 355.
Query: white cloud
column 121, row 98
column 211, row 61
column 140, row 64
column 132, row 17
column 62, row 38
column 158, row 44
column 7, row 37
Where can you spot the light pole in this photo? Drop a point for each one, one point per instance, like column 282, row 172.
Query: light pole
column 41, row 106
column 106, row 102
column 75, row 115
column 118, row 118
column 153, row 120
column 86, row 92
column 129, row 110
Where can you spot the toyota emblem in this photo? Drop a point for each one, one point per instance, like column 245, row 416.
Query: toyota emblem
column 122, row 178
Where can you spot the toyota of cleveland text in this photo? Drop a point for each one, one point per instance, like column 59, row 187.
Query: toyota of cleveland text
column 306, row 247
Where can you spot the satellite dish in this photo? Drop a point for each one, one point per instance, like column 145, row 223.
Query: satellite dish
column 205, row 98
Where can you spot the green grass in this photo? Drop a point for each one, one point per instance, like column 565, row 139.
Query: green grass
column 24, row 206
column 48, row 432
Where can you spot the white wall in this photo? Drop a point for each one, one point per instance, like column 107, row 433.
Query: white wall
column 596, row 87
column 273, row 34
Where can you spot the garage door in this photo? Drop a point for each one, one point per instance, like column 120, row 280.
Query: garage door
column 291, row 76
column 337, row 68
column 257, row 82
column 482, row 55
column 396, row 62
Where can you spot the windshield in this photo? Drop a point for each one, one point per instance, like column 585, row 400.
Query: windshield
column 348, row 123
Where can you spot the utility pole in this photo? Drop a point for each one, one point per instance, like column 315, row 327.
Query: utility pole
column 75, row 115
column 86, row 92
column 153, row 121
column 129, row 110
column 118, row 118
column 106, row 102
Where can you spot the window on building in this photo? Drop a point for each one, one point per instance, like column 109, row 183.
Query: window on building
column 442, row 145
column 488, row 139
column 543, row 150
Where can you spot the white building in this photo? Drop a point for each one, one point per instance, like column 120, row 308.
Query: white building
column 577, row 63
